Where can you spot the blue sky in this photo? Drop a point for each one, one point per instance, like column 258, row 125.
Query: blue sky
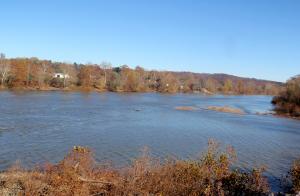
column 257, row 38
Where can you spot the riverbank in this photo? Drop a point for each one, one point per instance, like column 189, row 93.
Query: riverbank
column 286, row 116
column 91, row 89
column 49, row 88
column 79, row 174
column 287, row 103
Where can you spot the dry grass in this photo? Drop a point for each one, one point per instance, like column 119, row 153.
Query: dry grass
column 226, row 109
column 79, row 174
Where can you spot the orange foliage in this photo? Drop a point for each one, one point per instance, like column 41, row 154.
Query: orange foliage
column 79, row 174
column 34, row 73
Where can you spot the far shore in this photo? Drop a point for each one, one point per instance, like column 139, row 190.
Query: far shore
column 82, row 89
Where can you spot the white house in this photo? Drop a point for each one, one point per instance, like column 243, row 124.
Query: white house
column 61, row 75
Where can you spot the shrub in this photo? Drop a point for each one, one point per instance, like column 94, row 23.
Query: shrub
column 57, row 82
column 79, row 174
column 295, row 176
column 288, row 102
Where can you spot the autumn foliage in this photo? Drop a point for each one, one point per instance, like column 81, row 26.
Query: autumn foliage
column 288, row 101
column 294, row 176
column 79, row 174
column 32, row 73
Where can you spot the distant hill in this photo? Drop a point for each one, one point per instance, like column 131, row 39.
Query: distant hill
column 223, row 77
column 242, row 85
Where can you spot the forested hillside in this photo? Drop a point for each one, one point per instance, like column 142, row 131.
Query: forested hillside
column 33, row 73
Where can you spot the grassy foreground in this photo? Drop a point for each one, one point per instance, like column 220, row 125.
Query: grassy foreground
column 79, row 174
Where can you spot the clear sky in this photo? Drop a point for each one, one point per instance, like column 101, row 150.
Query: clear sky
column 255, row 38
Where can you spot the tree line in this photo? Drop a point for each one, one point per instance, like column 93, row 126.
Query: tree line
column 34, row 73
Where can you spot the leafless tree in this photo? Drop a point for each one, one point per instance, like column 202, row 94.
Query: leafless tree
column 105, row 66
column 69, row 73
column 4, row 68
column 42, row 73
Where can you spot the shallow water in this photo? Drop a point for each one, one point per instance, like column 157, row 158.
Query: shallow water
column 43, row 126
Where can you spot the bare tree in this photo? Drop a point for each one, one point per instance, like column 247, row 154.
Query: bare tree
column 4, row 68
column 42, row 73
column 105, row 66
column 28, row 73
column 69, row 73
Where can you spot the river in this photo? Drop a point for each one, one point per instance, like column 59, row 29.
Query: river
column 36, row 127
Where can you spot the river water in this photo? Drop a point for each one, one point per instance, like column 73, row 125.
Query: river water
column 36, row 127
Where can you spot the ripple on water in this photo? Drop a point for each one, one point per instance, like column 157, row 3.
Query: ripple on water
column 37, row 127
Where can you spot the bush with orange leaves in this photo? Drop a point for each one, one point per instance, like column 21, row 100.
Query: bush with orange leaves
column 294, row 176
column 209, row 175
column 79, row 174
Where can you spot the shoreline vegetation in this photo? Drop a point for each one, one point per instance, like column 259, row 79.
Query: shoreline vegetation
column 79, row 174
column 46, row 75
column 287, row 103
